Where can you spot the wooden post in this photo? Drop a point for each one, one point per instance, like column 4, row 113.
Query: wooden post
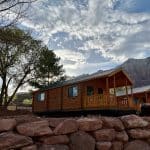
column 115, row 90
column 146, row 97
column 127, row 94
column 107, row 90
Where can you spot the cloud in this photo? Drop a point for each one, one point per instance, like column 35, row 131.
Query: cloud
column 80, row 31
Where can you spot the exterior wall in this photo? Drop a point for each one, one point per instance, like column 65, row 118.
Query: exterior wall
column 54, row 99
column 94, row 101
column 39, row 106
column 71, row 103
column 120, row 80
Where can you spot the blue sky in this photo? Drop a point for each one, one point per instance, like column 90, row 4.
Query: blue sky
column 91, row 35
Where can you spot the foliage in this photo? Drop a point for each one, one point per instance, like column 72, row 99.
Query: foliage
column 20, row 55
column 27, row 102
column 48, row 71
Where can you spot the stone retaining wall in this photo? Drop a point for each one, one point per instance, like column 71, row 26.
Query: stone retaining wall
column 88, row 133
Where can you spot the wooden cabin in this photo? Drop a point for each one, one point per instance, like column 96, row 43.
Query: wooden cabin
column 96, row 91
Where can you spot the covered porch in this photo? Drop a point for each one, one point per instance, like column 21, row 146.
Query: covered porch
column 114, row 84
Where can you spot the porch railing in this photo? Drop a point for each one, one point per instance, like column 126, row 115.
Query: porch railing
column 103, row 100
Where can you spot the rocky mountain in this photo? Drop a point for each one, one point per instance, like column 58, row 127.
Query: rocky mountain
column 138, row 70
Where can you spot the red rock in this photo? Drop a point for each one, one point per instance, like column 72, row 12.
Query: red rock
column 139, row 133
column 89, row 124
column 67, row 126
column 9, row 140
column 59, row 139
column 122, row 136
column 137, row 145
column 81, row 141
column 133, row 121
column 103, row 145
column 105, row 135
column 37, row 128
column 111, row 122
column 116, row 145
column 7, row 124
column 27, row 118
column 54, row 122
column 53, row 147
column 30, row 147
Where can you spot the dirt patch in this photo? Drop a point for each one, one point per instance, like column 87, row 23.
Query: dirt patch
column 14, row 113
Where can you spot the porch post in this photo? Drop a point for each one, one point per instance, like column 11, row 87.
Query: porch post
column 115, row 89
column 132, row 93
column 146, row 97
column 107, row 91
column 127, row 94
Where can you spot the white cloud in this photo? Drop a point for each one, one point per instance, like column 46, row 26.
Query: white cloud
column 106, row 29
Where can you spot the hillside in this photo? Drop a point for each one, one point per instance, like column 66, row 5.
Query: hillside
column 139, row 70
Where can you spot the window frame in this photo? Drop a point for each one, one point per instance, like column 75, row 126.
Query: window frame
column 87, row 92
column 41, row 97
column 72, row 94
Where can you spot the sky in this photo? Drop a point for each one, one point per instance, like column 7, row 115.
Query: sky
column 91, row 35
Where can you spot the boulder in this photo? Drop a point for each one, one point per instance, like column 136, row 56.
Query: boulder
column 133, row 121
column 37, row 128
column 59, row 139
column 137, row 145
column 67, row 126
column 53, row 147
column 111, row 122
column 139, row 133
column 122, row 136
column 117, row 145
column 9, row 140
column 103, row 145
column 89, row 124
column 81, row 141
column 54, row 122
column 7, row 124
column 105, row 135
column 30, row 147
column 27, row 118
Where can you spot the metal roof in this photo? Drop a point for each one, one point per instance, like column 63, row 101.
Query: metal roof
column 91, row 76
column 99, row 74
column 135, row 90
column 141, row 89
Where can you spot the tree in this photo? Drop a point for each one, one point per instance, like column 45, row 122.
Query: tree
column 20, row 54
column 12, row 10
column 48, row 71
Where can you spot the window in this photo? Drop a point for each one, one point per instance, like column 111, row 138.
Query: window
column 73, row 91
column 90, row 90
column 41, row 96
column 100, row 91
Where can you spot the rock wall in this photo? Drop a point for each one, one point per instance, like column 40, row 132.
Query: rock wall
column 87, row 133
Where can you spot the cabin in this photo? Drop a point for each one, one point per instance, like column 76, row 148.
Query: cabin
column 97, row 91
